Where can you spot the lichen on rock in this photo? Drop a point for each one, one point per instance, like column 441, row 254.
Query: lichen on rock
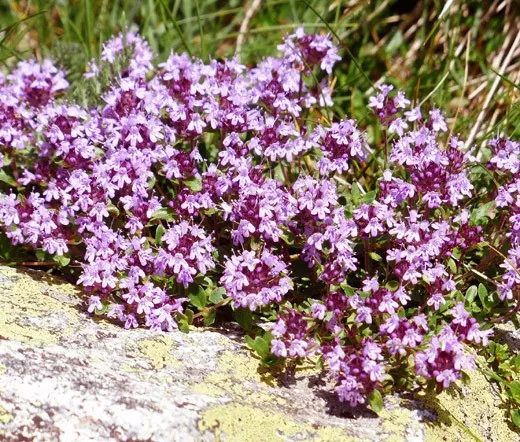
column 67, row 377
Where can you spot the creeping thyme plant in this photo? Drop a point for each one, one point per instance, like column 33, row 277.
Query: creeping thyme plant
column 195, row 193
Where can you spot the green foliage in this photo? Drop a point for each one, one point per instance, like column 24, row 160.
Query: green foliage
column 244, row 317
column 482, row 214
column 159, row 232
column 261, row 347
column 504, row 369
column 5, row 178
column 375, row 401
column 163, row 214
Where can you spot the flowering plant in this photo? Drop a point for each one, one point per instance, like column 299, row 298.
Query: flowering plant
column 194, row 189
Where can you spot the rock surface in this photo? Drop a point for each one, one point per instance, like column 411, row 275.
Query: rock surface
column 67, row 377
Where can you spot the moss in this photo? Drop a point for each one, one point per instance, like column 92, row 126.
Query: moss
column 158, row 352
column 26, row 308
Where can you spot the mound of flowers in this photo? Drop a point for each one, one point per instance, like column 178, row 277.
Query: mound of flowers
column 195, row 192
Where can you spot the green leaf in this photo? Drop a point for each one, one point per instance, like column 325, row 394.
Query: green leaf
column 244, row 317
column 211, row 211
column 217, row 295
column 485, row 298
column 209, row 316
column 375, row 256
column 456, row 253
column 62, row 260
column 194, row 184
column 376, row 401
column 152, row 182
column 482, row 293
column 159, row 232
column 365, row 295
column 189, row 315
column 515, row 417
column 392, row 285
column 288, row 238
column 355, row 193
column 163, row 213
column 183, row 324
column 514, row 388
column 184, row 320
column 259, row 345
column 494, row 376
column 452, row 265
column 7, row 178
column 199, row 298
column 471, row 293
column 482, row 214
column 278, row 172
column 113, row 209
column 349, row 291
column 41, row 255
column 369, row 197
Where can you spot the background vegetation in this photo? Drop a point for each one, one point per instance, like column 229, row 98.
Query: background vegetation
column 462, row 55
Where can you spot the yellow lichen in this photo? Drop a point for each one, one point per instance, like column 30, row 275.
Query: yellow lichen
column 5, row 416
column 27, row 303
column 237, row 376
column 250, row 416
column 309, row 370
column 129, row 368
column 3, row 369
column 471, row 413
column 158, row 351
column 239, row 365
column 20, row 333
column 396, row 421
column 238, row 423
column 332, row 434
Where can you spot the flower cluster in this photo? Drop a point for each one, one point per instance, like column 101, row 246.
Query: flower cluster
column 253, row 282
column 186, row 176
column 505, row 159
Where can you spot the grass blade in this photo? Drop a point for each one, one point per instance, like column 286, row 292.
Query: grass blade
column 177, row 27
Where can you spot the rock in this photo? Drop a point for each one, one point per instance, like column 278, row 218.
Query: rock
column 507, row 333
column 65, row 376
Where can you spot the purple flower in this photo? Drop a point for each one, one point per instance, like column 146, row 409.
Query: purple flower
column 191, row 172
column 253, row 281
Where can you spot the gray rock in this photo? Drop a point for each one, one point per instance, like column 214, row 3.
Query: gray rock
column 65, row 376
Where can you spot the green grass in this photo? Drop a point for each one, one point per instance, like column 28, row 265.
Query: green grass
column 449, row 57
column 445, row 57
column 460, row 57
